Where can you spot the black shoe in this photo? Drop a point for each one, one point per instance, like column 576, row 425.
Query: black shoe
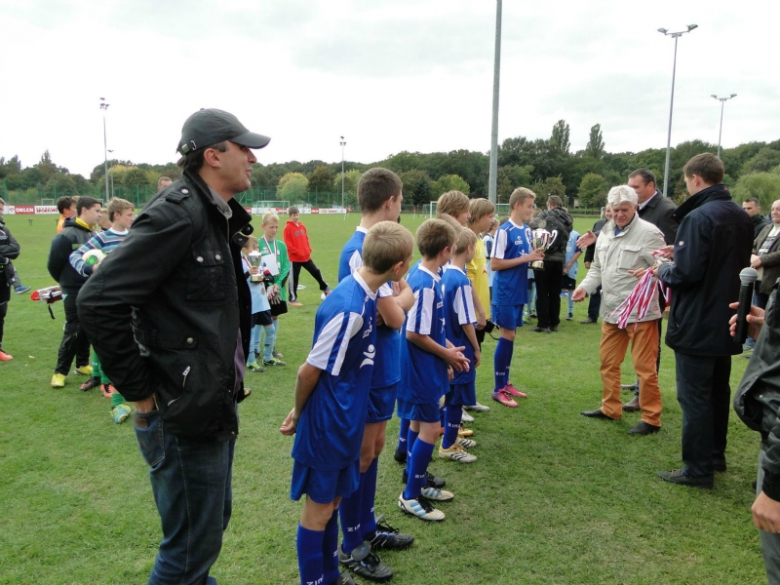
column 719, row 464
column 388, row 538
column 90, row 384
column 595, row 414
column 632, row 406
column 399, row 456
column 678, row 476
column 643, row 428
column 553, row 328
column 588, row 321
column 541, row 330
column 345, row 579
column 629, row 387
column 366, row 564
column 430, row 480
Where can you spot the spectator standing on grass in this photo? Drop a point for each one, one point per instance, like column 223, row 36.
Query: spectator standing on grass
column 594, row 304
column 262, row 321
column 297, row 240
column 11, row 275
column 9, row 250
column 549, row 279
column 169, row 311
column 75, row 343
column 625, row 245
column 276, row 286
column 713, row 244
column 121, row 213
column 766, row 257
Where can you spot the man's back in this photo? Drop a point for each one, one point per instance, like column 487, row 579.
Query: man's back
column 660, row 212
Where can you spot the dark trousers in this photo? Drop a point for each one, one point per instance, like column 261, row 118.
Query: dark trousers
column 770, row 542
column 3, row 313
column 594, row 305
column 548, row 293
column 312, row 269
column 704, row 395
column 74, row 339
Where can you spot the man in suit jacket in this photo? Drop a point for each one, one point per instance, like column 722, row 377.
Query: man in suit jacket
column 766, row 257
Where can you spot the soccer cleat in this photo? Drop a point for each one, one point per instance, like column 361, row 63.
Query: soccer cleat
column 388, row 538
column 295, row 304
column 437, row 495
column 277, row 354
column 345, row 579
column 22, row 289
column 421, row 508
column 466, row 417
column 400, row 456
column 255, row 367
column 464, row 432
column 324, row 294
column 90, row 384
column 4, row 357
column 466, row 443
column 477, row 407
column 84, row 370
column 120, row 413
column 514, row 391
column 505, row 398
column 274, row 362
column 457, row 453
column 107, row 390
column 365, row 563
column 58, row 381
column 430, row 480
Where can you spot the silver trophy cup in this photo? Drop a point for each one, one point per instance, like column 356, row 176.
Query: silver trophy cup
column 255, row 259
column 541, row 240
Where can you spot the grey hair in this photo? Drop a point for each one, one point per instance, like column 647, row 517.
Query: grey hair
column 621, row 193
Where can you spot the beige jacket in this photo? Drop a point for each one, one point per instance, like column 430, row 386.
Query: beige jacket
column 615, row 256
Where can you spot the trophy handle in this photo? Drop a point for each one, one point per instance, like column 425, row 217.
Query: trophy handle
column 553, row 235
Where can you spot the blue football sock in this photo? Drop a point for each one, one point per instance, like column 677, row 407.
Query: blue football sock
column 451, row 427
column 403, row 432
column 443, row 415
column 349, row 512
column 309, row 544
column 411, row 438
column 367, row 518
column 501, row 360
column 330, row 553
column 419, row 460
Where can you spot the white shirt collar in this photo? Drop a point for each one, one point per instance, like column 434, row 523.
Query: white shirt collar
column 364, row 286
column 436, row 277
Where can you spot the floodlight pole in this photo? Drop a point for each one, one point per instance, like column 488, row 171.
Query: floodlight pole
column 343, row 143
column 104, row 106
column 722, row 101
column 675, row 36
column 493, row 175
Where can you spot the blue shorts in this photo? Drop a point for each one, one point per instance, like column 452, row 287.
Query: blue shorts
column 461, row 394
column 507, row 316
column 381, row 403
column 428, row 413
column 324, row 486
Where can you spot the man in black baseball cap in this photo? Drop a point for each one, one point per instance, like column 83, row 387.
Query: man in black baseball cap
column 170, row 310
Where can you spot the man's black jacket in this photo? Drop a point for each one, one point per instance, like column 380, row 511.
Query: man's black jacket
column 164, row 310
column 759, row 223
column 660, row 212
column 9, row 250
column 713, row 244
column 72, row 237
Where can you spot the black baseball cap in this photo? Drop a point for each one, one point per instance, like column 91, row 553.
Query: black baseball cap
column 209, row 126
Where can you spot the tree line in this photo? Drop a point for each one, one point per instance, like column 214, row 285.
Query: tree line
column 548, row 166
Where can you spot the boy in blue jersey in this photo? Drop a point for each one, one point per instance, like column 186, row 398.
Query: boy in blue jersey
column 380, row 196
column 511, row 254
column 331, row 401
column 460, row 321
column 121, row 213
column 429, row 361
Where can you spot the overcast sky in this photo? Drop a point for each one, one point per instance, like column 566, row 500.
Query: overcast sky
column 389, row 75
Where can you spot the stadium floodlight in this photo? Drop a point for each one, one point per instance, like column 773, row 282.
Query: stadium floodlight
column 675, row 36
column 722, row 101
column 104, row 106
column 343, row 143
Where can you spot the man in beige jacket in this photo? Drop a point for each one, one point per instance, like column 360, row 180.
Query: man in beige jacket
column 625, row 246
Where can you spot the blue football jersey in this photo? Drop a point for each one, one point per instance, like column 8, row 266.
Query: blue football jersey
column 459, row 311
column 387, row 365
column 426, row 378
column 330, row 428
column 510, row 286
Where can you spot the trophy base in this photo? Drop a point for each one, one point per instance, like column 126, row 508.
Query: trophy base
column 537, row 265
column 256, row 278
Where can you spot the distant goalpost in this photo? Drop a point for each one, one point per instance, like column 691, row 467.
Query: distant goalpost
column 259, row 207
column 429, row 210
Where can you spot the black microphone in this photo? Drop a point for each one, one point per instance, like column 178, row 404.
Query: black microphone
column 748, row 277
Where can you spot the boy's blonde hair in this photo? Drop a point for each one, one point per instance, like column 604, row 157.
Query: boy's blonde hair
column 519, row 195
column 434, row 235
column 466, row 238
column 452, row 203
column 117, row 205
column 387, row 243
column 269, row 217
column 479, row 208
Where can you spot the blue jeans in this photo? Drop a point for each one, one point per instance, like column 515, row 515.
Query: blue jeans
column 704, row 395
column 191, row 486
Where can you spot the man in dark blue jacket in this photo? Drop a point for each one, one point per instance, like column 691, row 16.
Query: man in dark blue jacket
column 75, row 233
column 713, row 244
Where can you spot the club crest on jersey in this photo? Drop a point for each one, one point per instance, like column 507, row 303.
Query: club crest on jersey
column 370, row 354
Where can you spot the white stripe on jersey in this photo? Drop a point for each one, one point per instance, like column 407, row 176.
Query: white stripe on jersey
column 355, row 262
column 421, row 314
column 320, row 354
column 499, row 247
column 464, row 305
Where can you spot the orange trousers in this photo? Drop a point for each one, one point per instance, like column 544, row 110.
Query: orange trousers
column 644, row 353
